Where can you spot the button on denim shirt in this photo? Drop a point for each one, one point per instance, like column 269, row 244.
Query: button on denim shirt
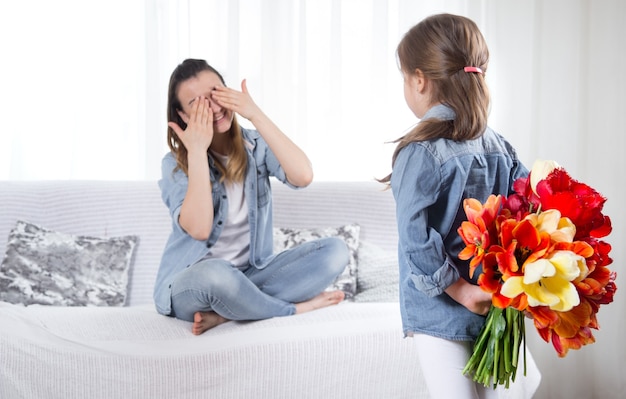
column 181, row 250
column 430, row 179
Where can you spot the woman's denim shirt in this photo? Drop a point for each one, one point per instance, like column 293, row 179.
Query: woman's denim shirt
column 430, row 180
column 181, row 250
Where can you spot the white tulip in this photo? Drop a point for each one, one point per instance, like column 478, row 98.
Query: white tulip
column 540, row 170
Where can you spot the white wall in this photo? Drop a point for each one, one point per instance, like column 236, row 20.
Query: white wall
column 563, row 86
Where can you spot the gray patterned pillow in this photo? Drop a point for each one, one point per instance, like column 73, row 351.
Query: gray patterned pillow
column 285, row 238
column 378, row 274
column 45, row 267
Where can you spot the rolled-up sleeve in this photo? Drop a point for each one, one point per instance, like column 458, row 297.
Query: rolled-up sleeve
column 263, row 155
column 173, row 187
column 416, row 182
column 435, row 284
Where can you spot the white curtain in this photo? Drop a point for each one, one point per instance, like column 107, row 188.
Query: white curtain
column 83, row 95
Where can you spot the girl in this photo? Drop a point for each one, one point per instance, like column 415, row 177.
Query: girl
column 218, row 263
column 450, row 155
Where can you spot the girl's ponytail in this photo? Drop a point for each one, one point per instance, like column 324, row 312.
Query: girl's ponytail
column 453, row 56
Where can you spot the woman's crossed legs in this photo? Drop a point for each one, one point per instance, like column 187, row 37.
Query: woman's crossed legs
column 212, row 292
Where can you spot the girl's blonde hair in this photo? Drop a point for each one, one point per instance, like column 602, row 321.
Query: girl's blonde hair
column 235, row 169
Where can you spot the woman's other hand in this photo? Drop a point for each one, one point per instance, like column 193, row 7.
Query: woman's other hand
column 293, row 160
column 237, row 101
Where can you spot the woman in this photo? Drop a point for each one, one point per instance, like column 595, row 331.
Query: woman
column 218, row 263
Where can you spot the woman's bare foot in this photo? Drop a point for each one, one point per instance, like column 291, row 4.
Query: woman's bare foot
column 326, row 298
column 203, row 321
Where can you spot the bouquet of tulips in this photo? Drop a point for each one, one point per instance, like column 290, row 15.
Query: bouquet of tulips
column 542, row 257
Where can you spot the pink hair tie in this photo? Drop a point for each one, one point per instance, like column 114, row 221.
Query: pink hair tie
column 471, row 69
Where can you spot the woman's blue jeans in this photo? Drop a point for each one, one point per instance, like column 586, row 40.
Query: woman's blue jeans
column 294, row 275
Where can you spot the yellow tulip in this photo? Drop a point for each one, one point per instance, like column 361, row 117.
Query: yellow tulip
column 560, row 229
column 548, row 281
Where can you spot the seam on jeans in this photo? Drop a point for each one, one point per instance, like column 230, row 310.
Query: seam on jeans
column 279, row 272
column 212, row 301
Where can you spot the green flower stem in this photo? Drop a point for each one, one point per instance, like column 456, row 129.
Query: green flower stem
column 495, row 354
column 507, row 342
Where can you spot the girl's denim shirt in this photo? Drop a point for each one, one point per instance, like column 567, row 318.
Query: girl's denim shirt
column 430, row 179
column 181, row 250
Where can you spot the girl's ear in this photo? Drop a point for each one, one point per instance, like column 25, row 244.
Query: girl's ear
column 419, row 81
column 183, row 116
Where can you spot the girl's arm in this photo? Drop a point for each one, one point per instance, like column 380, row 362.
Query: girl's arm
column 292, row 159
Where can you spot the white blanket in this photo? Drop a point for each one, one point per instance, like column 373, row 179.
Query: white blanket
column 134, row 352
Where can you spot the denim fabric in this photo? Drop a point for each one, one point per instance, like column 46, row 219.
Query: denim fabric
column 293, row 276
column 430, row 180
column 181, row 250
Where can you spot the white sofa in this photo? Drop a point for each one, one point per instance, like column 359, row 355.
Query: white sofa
column 352, row 350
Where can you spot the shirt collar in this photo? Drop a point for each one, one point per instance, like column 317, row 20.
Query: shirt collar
column 440, row 111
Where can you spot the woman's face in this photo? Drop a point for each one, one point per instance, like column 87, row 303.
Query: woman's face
column 202, row 85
